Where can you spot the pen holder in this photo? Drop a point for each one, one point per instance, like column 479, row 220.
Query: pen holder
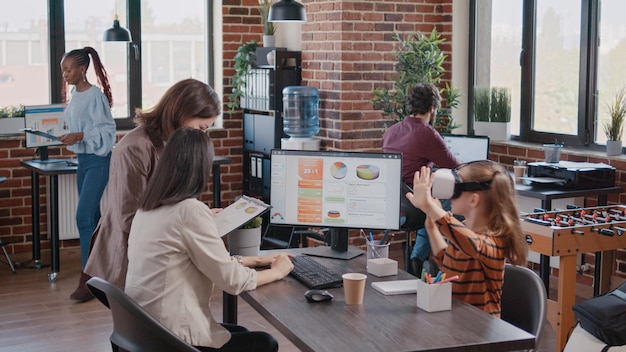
column 375, row 250
column 434, row 297
column 382, row 267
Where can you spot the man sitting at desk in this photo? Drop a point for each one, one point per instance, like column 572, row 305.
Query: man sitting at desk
column 420, row 145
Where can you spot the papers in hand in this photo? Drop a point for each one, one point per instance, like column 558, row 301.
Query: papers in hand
column 41, row 133
column 238, row 213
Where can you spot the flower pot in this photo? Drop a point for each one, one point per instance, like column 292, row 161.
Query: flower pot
column 613, row 148
column 246, row 242
column 269, row 41
column 497, row 131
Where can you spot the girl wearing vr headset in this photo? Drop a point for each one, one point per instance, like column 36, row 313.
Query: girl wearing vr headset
column 477, row 249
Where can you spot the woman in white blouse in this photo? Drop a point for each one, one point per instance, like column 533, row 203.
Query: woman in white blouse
column 176, row 256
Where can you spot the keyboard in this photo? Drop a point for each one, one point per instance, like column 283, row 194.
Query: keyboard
column 313, row 274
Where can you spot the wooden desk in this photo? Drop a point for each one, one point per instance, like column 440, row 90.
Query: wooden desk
column 382, row 323
column 51, row 168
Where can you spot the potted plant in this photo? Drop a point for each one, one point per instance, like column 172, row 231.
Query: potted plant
column 269, row 40
column 244, row 60
column 420, row 60
column 492, row 109
column 11, row 119
column 246, row 240
column 614, row 127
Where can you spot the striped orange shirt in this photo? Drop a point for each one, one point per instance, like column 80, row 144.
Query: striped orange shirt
column 479, row 261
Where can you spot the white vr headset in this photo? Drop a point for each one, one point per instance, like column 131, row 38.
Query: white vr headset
column 447, row 184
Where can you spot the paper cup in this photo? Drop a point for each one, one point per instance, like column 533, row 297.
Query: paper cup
column 354, row 287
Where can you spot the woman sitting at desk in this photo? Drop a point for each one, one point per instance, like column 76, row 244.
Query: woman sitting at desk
column 176, row 256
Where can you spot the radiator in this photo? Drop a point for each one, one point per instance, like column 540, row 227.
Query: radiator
column 68, row 199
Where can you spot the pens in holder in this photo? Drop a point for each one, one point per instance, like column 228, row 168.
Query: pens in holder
column 382, row 240
column 455, row 277
column 371, row 237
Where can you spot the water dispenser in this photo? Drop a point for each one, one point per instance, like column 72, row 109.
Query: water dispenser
column 300, row 118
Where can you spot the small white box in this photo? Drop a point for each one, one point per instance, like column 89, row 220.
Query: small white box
column 435, row 297
column 382, row 267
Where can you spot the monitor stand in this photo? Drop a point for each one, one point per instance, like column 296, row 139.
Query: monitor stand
column 338, row 248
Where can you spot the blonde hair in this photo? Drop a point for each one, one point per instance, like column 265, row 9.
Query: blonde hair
column 501, row 206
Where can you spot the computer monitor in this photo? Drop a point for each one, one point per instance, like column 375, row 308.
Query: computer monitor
column 338, row 190
column 467, row 148
column 43, row 125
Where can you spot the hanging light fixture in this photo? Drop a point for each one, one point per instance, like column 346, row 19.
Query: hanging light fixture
column 116, row 33
column 287, row 11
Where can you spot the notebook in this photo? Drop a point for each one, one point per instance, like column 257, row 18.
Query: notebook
column 397, row 287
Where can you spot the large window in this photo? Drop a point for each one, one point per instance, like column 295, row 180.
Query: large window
column 176, row 43
column 561, row 59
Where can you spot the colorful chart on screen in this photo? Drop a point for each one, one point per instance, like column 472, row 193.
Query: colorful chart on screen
column 367, row 172
column 338, row 170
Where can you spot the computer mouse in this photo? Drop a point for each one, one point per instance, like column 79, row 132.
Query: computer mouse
column 316, row 296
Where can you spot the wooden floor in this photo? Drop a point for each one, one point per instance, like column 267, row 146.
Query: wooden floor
column 37, row 315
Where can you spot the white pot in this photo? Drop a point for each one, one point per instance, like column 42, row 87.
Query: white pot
column 269, row 41
column 613, row 148
column 11, row 125
column 497, row 131
column 246, row 242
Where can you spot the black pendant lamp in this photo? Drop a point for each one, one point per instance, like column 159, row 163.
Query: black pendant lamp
column 287, row 11
column 116, row 33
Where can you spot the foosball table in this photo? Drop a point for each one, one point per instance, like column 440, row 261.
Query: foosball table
column 567, row 233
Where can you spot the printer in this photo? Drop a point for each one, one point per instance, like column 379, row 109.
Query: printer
column 573, row 175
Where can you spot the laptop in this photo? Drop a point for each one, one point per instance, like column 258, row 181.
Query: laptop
column 467, row 148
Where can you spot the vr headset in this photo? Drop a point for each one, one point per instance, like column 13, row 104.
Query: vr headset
column 447, row 184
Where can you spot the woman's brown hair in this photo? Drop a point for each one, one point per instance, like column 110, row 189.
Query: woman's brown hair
column 186, row 99
column 183, row 170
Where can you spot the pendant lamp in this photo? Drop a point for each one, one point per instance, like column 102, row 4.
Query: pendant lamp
column 116, row 33
column 287, row 11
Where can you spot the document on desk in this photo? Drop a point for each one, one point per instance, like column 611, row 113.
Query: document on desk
column 238, row 213
column 396, row 287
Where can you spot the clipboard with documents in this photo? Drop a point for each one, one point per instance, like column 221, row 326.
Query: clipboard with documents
column 41, row 133
column 396, row 287
column 235, row 215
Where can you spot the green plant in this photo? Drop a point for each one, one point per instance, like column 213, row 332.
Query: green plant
column 264, row 10
column 12, row 111
column 444, row 123
column 500, row 107
column 420, row 60
column 481, row 103
column 244, row 59
column 614, row 127
column 253, row 223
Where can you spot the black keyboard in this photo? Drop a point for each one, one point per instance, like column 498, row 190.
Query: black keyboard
column 313, row 274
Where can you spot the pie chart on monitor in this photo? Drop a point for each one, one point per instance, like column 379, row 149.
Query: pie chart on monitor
column 338, row 170
column 367, row 172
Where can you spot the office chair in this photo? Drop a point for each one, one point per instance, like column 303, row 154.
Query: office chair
column 524, row 300
column 411, row 219
column 134, row 329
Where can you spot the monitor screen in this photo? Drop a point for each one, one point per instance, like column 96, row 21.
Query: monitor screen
column 467, row 148
column 335, row 189
column 43, row 123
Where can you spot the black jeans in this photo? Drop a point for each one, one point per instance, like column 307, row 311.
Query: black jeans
column 244, row 340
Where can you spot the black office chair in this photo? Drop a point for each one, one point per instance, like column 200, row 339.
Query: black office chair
column 413, row 221
column 524, row 300
column 134, row 329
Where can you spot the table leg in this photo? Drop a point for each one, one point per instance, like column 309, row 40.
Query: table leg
column 34, row 190
column 54, row 226
column 544, row 260
column 566, row 299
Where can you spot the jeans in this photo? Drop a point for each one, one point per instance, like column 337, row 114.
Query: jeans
column 92, row 175
column 421, row 249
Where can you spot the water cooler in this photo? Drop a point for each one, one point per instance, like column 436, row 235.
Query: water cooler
column 300, row 118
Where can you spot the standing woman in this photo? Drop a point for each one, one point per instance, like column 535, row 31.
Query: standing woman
column 91, row 137
column 190, row 103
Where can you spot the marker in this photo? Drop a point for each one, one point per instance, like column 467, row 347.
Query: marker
column 371, row 237
column 382, row 240
column 438, row 277
column 455, row 277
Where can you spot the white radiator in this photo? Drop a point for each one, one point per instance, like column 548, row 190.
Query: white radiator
column 68, row 199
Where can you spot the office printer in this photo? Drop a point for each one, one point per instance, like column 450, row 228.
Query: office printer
column 578, row 175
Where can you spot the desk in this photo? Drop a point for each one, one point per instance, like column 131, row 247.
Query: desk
column 546, row 195
column 382, row 323
column 51, row 168
column 55, row 167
